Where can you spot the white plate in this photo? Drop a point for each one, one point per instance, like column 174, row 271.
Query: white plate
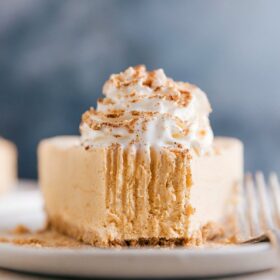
column 25, row 206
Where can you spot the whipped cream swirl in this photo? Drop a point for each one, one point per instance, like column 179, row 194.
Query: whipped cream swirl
column 148, row 108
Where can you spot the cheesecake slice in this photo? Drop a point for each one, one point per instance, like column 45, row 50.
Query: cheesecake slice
column 107, row 196
column 146, row 169
column 8, row 165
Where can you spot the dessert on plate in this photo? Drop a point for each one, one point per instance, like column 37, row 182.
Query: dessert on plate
column 8, row 165
column 146, row 169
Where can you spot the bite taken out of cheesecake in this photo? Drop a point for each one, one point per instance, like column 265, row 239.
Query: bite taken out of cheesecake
column 146, row 169
column 8, row 165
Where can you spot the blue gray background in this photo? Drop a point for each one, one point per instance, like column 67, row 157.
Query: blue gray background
column 55, row 56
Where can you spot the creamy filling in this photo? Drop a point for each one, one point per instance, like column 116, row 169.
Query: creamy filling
column 147, row 192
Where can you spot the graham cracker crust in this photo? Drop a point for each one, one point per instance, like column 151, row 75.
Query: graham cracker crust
column 208, row 233
column 44, row 238
column 59, row 234
column 50, row 237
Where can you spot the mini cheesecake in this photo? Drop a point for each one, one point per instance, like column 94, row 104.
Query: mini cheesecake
column 8, row 165
column 107, row 196
column 146, row 169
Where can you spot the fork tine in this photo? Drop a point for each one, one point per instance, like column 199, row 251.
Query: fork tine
column 242, row 225
column 242, row 219
column 252, row 205
column 263, row 202
column 275, row 188
column 265, row 207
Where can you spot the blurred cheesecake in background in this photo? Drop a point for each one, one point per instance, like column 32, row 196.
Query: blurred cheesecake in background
column 8, row 165
column 146, row 169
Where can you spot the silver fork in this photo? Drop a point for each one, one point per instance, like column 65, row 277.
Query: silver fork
column 259, row 210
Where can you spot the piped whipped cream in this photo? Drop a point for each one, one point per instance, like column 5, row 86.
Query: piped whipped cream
column 150, row 109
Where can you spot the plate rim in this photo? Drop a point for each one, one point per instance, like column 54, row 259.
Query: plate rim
column 91, row 250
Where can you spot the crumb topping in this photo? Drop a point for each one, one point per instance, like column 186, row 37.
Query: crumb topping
column 155, row 84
